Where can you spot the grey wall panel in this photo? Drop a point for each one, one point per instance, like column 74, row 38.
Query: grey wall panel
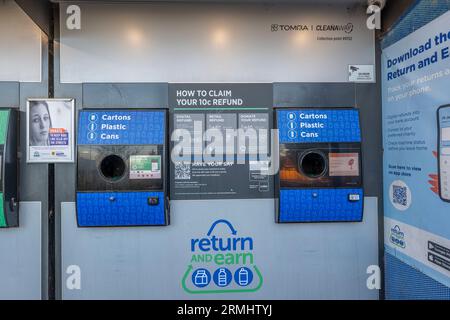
column 20, row 261
column 314, row 95
column 34, row 177
column 297, row 261
column 9, row 94
column 65, row 174
column 377, row 140
column 28, row 261
column 368, row 101
column 32, row 173
column 125, row 95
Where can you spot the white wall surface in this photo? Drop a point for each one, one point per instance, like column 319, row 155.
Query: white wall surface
column 297, row 261
column 20, row 261
column 177, row 42
column 20, row 45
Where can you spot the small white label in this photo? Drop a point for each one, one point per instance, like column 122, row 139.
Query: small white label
column 361, row 73
column 354, row 197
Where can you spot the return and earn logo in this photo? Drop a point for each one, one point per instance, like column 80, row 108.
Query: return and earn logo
column 221, row 263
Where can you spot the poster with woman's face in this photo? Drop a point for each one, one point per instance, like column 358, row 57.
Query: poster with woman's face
column 50, row 130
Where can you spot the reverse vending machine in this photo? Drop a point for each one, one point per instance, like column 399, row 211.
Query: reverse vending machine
column 320, row 177
column 121, row 171
column 9, row 205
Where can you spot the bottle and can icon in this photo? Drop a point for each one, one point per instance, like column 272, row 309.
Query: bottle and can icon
column 222, row 277
column 243, row 276
column 201, row 278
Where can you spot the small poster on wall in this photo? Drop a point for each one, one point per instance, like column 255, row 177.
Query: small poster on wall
column 50, row 130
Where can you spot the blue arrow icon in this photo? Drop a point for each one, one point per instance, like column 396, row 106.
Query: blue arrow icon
column 233, row 230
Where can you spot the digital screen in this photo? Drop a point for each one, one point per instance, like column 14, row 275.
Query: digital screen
column 120, row 168
column 444, row 125
column 344, row 164
column 145, row 167
column 444, row 159
column 445, row 134
column 326, row 166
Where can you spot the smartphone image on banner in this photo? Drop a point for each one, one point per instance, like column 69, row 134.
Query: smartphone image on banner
column 443, row 115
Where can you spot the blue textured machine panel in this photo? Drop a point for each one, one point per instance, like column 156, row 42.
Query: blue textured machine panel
column 121, row 127
column 320, row 205
column 318, row 125
column 120, row 209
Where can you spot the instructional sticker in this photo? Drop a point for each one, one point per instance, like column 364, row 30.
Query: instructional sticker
column 344, row 164
column 361, row 73
column 145, row 167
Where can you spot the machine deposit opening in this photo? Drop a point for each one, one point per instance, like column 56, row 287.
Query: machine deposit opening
column 313, row 164
column 112, row 167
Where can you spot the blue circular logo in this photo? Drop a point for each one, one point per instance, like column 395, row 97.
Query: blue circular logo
column 222, row 277
column 201, row 278
column 92, row 136
column 92, row 126
column 93, row 117
column 292, row 134
column 292, row 125
column 243, row 276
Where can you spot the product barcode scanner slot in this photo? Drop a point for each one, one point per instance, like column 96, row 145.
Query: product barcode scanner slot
column 9, row 203
column 320, row 176
column 121, row 168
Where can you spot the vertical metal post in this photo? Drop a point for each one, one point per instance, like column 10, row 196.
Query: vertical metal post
column 51, row 172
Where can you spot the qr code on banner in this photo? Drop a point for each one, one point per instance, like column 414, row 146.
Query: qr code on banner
column 182, row 171
column 400, row 195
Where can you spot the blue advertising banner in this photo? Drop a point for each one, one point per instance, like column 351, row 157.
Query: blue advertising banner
column 416, row 139
column 121, row 127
